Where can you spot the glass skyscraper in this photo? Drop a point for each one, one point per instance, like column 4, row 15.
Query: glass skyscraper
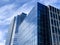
column 12, row 32
column 54, row 16
column 39, row 27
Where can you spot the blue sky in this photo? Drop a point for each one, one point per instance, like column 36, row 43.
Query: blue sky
column 11, row 8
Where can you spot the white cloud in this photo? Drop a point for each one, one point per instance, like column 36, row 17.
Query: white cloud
column 2, row 35
column 26, row 8
column 2, row 43
column 7, row 13
column 6, row 10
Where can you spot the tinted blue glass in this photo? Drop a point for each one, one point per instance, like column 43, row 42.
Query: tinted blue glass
column 19, row 20
column 54, row 40
column 28, row 30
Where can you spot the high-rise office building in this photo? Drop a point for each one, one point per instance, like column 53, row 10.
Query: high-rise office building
column 12, row 32
column 54, row 18
column 39, row 27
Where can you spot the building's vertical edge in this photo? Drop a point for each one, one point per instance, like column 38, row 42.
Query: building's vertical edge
column 48, row 31
column 37, row 23
column 36, row 13
column 10, row 31
column 50, row 27
column 13, row 31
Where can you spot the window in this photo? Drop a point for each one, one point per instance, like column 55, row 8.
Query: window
column 16, row 30
column 15, row 39
column 59, row 17
column 59, row 31
column 55, row 9
column 56, row 30
column 52, row 21
column 50, row 8
column 54, row 38
column 51, row 14
column 56, row 16
column 59, row 38
column 40, row 37
column 52, row 29
column 55, row 22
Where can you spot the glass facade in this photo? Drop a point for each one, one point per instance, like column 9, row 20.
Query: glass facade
column 13, row 30
column 27, row 34
column 54, row 17
column 44, row 37
column 39, row 27
column 35, row 29
column 19, row 19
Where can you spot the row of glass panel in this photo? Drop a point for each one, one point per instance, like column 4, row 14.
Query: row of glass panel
column 55, row 10
column 56, row 39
